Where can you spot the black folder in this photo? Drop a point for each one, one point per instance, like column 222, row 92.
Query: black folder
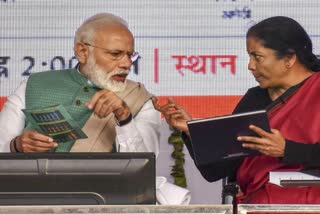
column 215, row 139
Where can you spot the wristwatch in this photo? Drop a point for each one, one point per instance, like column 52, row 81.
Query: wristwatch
column 123, row 122
column 13, row 145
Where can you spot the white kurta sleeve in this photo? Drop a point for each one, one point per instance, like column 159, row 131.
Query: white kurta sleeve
column 142, row 134
column 12, row 118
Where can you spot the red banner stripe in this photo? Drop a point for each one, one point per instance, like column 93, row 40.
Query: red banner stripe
column 2, row 101
column 205, row 106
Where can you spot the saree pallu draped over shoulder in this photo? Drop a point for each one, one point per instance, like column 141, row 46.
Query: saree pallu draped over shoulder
column 296, row 114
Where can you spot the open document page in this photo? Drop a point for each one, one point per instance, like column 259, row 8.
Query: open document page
column 56, row 122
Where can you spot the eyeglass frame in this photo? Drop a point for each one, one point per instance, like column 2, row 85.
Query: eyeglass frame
column 133, row 55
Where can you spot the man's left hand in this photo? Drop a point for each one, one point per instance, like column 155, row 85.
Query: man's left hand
column 105, row 102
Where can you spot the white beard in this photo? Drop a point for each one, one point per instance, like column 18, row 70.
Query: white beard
column 101, row 78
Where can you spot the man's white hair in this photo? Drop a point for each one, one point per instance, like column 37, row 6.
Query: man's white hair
column 86, row 32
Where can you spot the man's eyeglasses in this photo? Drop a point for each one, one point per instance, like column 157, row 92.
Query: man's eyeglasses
column 118, row 54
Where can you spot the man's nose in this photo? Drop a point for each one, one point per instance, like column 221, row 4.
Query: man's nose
column 125, row 62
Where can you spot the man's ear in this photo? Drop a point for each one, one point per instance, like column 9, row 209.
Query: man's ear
column 81, row 51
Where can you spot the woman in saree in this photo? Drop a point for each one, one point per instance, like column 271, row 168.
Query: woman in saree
column 282, row 62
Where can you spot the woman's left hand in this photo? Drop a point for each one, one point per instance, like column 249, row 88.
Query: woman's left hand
column 271, row 144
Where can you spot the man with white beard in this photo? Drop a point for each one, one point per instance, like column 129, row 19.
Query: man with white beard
column 115, row 113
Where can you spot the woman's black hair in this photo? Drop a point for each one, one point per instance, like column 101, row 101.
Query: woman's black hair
column 286, row 37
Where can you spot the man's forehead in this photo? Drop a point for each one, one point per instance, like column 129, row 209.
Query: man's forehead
column 115, row 40
column 113, row 33
column 109, row 30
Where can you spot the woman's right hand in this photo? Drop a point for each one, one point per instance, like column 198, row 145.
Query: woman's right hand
column 175, row 115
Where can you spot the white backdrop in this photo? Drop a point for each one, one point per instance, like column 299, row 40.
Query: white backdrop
column 191, row 50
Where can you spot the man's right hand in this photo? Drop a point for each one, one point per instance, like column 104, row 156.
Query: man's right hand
column 32, row 141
